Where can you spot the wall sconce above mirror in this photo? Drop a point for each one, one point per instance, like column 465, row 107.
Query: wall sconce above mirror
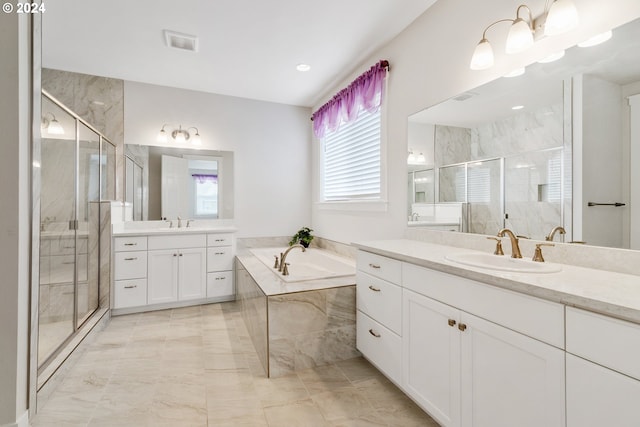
column 51, row 125
column 559, row 17
column 179, row 135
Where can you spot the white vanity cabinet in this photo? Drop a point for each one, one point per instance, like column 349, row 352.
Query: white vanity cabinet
column 177, row 268
column 603, row 373
column 467, row 371
column 379, row 313
column 220, row 255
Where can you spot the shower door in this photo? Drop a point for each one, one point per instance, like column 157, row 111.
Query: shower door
column 77, row 168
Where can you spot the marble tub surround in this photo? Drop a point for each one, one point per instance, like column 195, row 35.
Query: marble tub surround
column 136, row 228
column 295, row 325
column 606, row 292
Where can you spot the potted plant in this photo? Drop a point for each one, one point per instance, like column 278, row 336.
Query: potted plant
column 303, row 236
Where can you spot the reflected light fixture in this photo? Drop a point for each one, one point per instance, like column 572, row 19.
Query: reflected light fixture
column 597, row 39
column 553, row 57
column 515, row 73
column 52, row 126
column 517, row 107
column 303, row 67
column 561, row 16
column 180, row 135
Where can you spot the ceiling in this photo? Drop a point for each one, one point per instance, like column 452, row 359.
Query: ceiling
column 247, row 48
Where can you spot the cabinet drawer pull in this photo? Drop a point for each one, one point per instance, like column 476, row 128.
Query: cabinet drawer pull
column 220, row 240
column 175, row 254
column 220, row 278
column 462, row 327
column 180, row 254
column 131, row 259
column 131, row 286
column 130, row 244
column 219, row 253
column 375, row 334
column 452, row 322
column 68, row 262
column 376, row 266
column 374, row 289
column 68, row 247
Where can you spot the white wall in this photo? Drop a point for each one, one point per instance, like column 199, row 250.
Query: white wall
column 430, row 63
column 16, row 220
column 271, row 145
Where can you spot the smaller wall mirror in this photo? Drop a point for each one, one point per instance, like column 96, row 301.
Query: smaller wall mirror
column 167, row 182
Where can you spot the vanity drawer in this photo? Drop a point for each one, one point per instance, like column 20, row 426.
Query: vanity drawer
column 379, row 266
column 177, row 241
column 136, row 243
column 380, row 300
column 535, row 317
column 130, row 293
column 220, row 284
column 130, row 265
column 380, row 346
column 220, row 258
column 221, row 239
column 604, row 340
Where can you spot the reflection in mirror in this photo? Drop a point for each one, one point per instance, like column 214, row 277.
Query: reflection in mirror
column 167, row 182
column 530, row 152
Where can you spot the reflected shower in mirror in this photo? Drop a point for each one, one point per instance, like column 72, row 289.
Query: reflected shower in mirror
column 530, row 152
column 167, row 182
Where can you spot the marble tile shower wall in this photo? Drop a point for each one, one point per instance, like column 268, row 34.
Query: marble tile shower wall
column 521, row 139
column 99, row 101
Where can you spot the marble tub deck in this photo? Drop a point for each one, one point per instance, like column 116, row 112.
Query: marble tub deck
column 296, row 325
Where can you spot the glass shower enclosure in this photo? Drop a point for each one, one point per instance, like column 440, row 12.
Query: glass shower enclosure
column 77, row 170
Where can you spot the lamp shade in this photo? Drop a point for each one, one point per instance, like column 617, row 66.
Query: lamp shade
column 162, row 136
column 483, row 56
column 196, row 140
column 55, row 128
column 562, row 17
column 520, row 37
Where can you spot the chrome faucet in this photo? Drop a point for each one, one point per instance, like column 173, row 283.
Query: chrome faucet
column 170, row 222
column 415, row 216
column 555, row 230
column 189, row 221
column 515, row 249
column 283, row 257
column 179, row 222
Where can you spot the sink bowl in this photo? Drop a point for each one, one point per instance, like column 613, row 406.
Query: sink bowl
column 502, row 263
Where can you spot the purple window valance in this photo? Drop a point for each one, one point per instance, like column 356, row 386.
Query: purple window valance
column 202, row 178
column 365, row 92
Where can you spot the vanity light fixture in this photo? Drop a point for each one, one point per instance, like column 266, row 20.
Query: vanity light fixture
column 412, row 159
column 559, row 17
column 52, row 126
column 180, row 135
column 597, row 39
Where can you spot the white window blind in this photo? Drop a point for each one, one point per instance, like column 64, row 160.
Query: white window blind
column 352, row 160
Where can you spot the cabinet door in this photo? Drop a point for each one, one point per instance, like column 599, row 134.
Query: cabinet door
column 162, row 283
column 597, row 396
column 431, row 353
column 192, row 274
column 509, row 379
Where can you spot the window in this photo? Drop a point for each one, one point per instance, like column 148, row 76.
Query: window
column 351, row 160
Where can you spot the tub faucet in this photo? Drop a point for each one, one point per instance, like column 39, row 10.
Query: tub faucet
column 283, row 257
column 515, row 249
column 555, row 230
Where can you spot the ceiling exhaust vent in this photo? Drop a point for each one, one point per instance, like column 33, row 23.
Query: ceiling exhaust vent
column 181, row 41
column 465, row 96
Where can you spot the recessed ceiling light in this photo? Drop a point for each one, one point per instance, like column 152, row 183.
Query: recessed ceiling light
column 517, row 107
column 181, row 41
column 303, row 67
column 553, row 57
column 595, row 40
column 515, row 73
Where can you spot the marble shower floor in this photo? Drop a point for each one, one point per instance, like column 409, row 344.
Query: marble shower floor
column 196, row 366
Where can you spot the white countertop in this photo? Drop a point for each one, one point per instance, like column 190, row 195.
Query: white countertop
column 118, row 231
column 613, row 294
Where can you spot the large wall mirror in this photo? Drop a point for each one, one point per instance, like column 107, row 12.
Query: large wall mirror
column 546, row 148
column 167, row 182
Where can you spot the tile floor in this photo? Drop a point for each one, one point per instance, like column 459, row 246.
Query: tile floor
column 196, row 366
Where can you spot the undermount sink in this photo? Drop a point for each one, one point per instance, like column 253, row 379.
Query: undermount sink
column 502, row 263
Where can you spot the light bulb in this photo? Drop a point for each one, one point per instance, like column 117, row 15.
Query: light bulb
column 482, row 57
column 561, row 18
column 162, row 136
column 520, row 37
column 55, row 128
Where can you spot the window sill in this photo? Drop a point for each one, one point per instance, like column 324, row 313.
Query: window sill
column 354, row 205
